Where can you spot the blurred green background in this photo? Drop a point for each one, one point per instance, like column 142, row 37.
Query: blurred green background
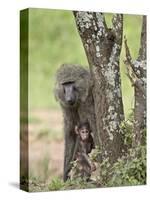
column 54, row 40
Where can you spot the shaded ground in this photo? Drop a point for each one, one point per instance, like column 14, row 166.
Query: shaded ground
column 45, row 145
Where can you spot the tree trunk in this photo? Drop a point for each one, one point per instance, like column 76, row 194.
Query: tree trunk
column 137, row 74
column 102, row 46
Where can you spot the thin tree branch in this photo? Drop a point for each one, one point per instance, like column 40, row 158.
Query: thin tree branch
column 142, row 50
column 130, row 68
column 116, row 35
column 117, row 22
column 128, row 54
column 100, row 18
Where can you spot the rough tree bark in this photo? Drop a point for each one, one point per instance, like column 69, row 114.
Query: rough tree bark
column 102, row 46
column 137, row 74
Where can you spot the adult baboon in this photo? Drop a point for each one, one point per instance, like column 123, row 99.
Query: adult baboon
column 73, row 90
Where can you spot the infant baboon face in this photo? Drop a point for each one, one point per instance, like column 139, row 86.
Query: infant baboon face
column 84, row 133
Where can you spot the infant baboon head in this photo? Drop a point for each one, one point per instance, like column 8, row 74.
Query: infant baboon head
column 83, row 130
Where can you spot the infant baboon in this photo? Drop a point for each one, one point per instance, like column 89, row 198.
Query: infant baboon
column 73, row 90
column 84, row 146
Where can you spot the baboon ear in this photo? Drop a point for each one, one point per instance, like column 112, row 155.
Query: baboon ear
column 56, row 91
column 76, row 130
column 92, row 134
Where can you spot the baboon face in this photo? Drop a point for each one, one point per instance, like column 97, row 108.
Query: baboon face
column 84, row 133
column 70, row 93
column 72, row 85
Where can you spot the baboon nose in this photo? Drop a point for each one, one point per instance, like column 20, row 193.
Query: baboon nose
column 71, row 102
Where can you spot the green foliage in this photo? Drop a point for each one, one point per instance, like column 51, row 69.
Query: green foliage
column 36, row 185
column 78, row 183
column 76, row 170
column 56, row 184
column 127, row 130
column 95, row 154
column 130, row 169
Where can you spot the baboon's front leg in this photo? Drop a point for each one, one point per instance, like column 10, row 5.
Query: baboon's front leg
column 70, row 141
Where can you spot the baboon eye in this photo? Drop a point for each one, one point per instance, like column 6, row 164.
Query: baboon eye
column 74, row 88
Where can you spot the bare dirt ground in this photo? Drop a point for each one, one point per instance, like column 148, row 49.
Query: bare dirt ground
column 46, row 145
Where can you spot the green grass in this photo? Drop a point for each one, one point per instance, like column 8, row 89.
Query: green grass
column 58, row 184
column 53, row 40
